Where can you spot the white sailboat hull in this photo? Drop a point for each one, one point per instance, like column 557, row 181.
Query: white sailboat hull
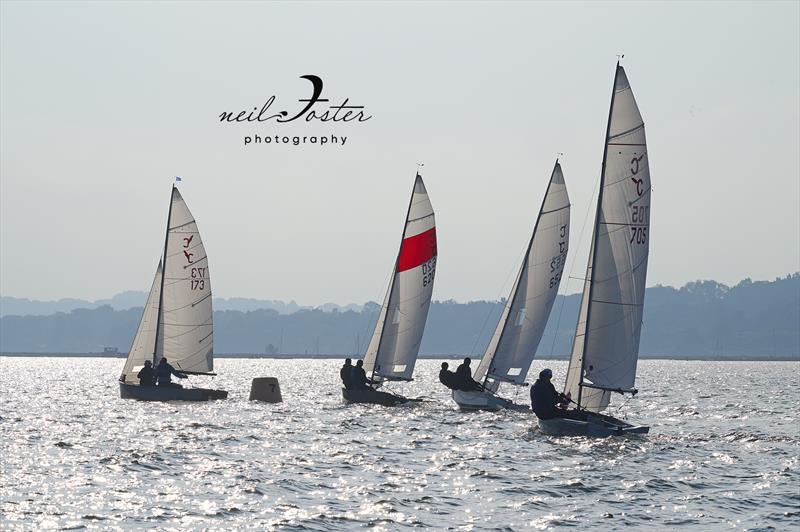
column 596, row 426
column 484, row 401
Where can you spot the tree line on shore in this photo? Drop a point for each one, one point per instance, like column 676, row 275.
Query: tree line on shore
column 701, row 319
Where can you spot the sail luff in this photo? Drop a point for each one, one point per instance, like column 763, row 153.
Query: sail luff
column 159, row 316
column 517, row 350
column 594, row 232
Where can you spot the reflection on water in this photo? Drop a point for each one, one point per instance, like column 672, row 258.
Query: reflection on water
column 724, row 451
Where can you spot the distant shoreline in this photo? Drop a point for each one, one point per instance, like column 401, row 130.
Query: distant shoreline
column 706, row 358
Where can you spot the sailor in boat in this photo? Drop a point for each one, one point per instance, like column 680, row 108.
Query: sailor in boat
column 346, row 373
column 165, row 371
column 147, row 376
column 547, row 403
column 464, row 378
column 358, row 378
column 447, row 377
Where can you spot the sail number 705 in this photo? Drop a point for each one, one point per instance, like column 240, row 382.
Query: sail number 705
column 640, row 221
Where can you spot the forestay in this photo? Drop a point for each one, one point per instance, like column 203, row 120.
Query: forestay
column 513, row 345
column 145, row 339
column 185, row 327
column 393, row 349
column 606, row 346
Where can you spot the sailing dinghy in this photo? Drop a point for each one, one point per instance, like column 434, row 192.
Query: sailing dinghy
column 177, row 320
column 393, row 349
column 513, row 345
column 605, row 349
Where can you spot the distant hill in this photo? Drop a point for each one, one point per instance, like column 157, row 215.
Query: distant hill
column 701, row 319
column 14, row 306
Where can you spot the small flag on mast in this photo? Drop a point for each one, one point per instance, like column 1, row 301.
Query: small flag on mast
column 177, row 178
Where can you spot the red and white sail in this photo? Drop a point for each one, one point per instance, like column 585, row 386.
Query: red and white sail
column 393, row 349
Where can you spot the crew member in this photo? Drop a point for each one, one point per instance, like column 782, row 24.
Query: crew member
column 447, row 377
column 165, row 371
column 147, row 377
column 464, row 378
column 346, row 372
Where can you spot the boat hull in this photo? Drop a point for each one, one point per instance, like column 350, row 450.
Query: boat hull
column 168, row 393
column 370, row 396
column 596, row 426
column 484, row 401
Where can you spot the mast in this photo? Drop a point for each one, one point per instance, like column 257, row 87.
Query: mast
column 594, row 235
column 163, row 274
column 514, row 291
column 394, row 270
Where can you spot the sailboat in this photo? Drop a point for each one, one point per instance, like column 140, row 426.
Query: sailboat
column 393, row 349
column 177, row 319
column 605, row 349
column 513, row 346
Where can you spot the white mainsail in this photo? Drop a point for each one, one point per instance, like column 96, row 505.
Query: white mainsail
column 185, row 326
column 513, row 346
column 142, row 347
column 393, row 349
column 606, row 346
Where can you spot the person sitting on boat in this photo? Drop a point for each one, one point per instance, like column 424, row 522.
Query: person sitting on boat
column 545, row 400
column 346, row 373
column 447, row 377
column 147, row 376
column 165, row 371
column 358, row 378
column 463, row 378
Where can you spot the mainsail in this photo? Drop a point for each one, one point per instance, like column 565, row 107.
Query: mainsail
column 185, row 328
column 606, row 345
column 513, row 346
column 393, row 349
column 142, row 347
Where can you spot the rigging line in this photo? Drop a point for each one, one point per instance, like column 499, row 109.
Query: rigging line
column 507, row 304
column 572, row 267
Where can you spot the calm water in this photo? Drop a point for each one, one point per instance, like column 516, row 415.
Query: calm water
column 723, row 453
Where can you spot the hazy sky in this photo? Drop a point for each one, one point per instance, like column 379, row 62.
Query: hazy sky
column 102, row 104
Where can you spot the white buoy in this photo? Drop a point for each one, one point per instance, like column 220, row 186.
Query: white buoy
column 266, row 389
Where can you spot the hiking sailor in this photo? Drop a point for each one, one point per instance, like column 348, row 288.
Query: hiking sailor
column 547, row 403
column 358, row 378
column 447, row 377
column 464, row 380
column 346, row 373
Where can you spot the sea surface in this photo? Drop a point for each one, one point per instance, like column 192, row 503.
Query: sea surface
column 723, row 454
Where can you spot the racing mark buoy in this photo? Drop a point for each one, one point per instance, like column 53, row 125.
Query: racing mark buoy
column 266, row 389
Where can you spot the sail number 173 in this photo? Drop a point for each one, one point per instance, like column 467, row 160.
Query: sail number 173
column 198, row 280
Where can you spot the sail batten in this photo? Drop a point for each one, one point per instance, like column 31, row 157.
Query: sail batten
column 512, row 348
column 394, row 346
column 606, row 344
